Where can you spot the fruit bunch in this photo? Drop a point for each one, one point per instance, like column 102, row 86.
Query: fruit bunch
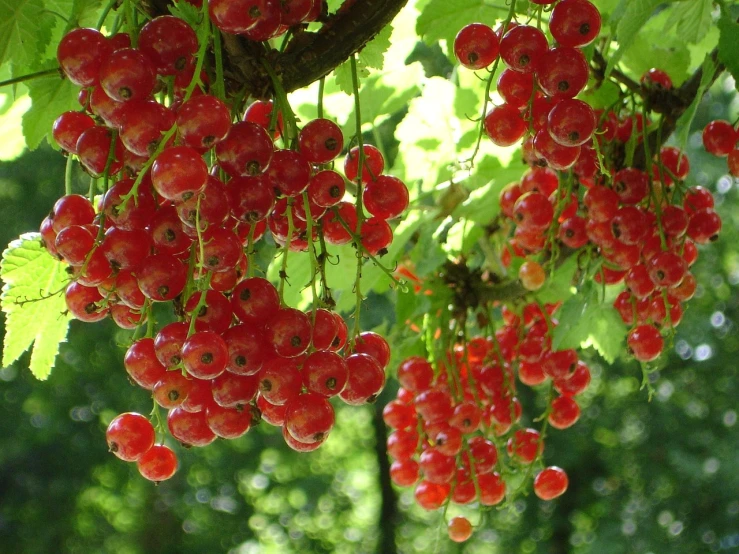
column 638, row 225
column 720, row 138
column 189, row 196
column 457, row 434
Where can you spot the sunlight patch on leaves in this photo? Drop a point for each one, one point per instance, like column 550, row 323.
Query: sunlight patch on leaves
column 442, row 19
column 635, row 15
column 51, row 96
column 371, row 56
column 33, row 302
column 21, row 36
column 692, row 18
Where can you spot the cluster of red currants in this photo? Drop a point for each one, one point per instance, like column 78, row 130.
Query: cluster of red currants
column 720, row 139
column 260, row 20
column 131, row 437
column 643, row 225
column 450, row 418
column 171, row 228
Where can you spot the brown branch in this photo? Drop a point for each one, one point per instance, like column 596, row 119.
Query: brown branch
column 308, row 55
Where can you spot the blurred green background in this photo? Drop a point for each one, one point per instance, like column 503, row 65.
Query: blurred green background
column 659, row 476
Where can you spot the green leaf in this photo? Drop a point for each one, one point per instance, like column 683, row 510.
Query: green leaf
column 371, row 56
column 442, row 19
column 646, row 52
column 50, row 96
column 187, row 12
column 33, row 302
column 558, row 286
column 607, row 333
column 604, row 96
column 693, row 19
column 728, row 45
column 682, row 130
column 586, row 320
column 22, row 31
column 636, row 14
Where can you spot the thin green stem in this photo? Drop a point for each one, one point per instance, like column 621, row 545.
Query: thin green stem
column 28, row 77
column 104, row 14
column 204, row 33
column 286, row 249
column 68, row 176
column 219, row 88
column 359, row 207
column 319, row 104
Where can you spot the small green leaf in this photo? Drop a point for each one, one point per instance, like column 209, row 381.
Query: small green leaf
column 693, row 19
column 371, row 56
column 636, row 14
column 442, row 19
column 728, row 45
column 646, row 53
column 558, row 286
column 33, row 302
column 50, row 96
column 23, row 31
column 607, row 333
column 188, row 12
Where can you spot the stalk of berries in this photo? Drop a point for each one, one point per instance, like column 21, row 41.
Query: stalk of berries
column 171, row 227
column 639, row 226
column 720, row 139
column 457, row 424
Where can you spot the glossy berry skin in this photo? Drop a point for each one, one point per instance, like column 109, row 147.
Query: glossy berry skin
column 128, row 75
column 326, row 188
column 415, row 374
column 571, row 122
column 385, row 197
column 372, row 166
column 157, row 464
column 531, row 275
column 476, row 46
column 288, row 173
column 533, row 211
column 376, row 236
column 235, row 16
column 129, row 436
column 280, row 380
column 162, row 277
column 369, row 342
column 515, row 87
column 228, row 423
column 522, row 48
column 80, row 53
column 169, row 42
column 85, row 303
column 74, row 243
column 557, row 156
column 563, row 72
column 203, row 121
column 71, row 209
column 719, row 138
column 289, row 332
column 325, row 373
column 190, row 428
column 246, row 150
column 575, row 23
column 565, row 412
column 656, row 78
column 93, row 149
column 459, row 529
column 704, row 226
column 68, row 127
column 525, row 445
column 320, row 141
column 436, row 467
column 431, row 496
column 204, row 355
column 255, row 301
column 309, row 417
column 434, row 405
column 550, row 483
column 142, row 364
column 404, row 473
column 178, row 173
column 504, row 125
column 365, row 382
column 645, row 343
column 667, row 269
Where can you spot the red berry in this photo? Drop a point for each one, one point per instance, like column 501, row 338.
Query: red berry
column 645, row 342
column 459, row 529
column 476, row 46
column 157, row 464
column 550, row 483
column 129, row 436
column 309, row 417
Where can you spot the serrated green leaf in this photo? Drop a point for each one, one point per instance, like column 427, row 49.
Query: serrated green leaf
column 343, row 76
column 50, row 96
column 607, row 333
column 442, row 19
column 728, row 45
column 606, row 95
column 187, row 12
column 558, row 286
column 22, row 33
column 635, row 15
column 33, row 302
column 373, row 54
column 646, row 52
column 682, row 130
column 462, row 237
column 693, row 19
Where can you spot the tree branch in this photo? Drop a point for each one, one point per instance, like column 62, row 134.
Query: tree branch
column 308, row 55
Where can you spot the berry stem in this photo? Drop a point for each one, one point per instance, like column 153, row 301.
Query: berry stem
column 359, row 207
column 29, row 76
column 319, row 104
column 104, row 14
column 286, row 249
column 311, row 256
column 204, row 33
column 68, row 176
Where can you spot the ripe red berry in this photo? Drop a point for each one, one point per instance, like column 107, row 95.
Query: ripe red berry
column 565, row 412
column 550, row 483
column 719, row 138
column 504, row 125
column 129, row 436
column 320, row 141
column 309, row 417
column 645, row 342
column 157, row 464
column 522, row 48
column 575, row 23
column 459, row 529
column 476, row 46
column 365, row 382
